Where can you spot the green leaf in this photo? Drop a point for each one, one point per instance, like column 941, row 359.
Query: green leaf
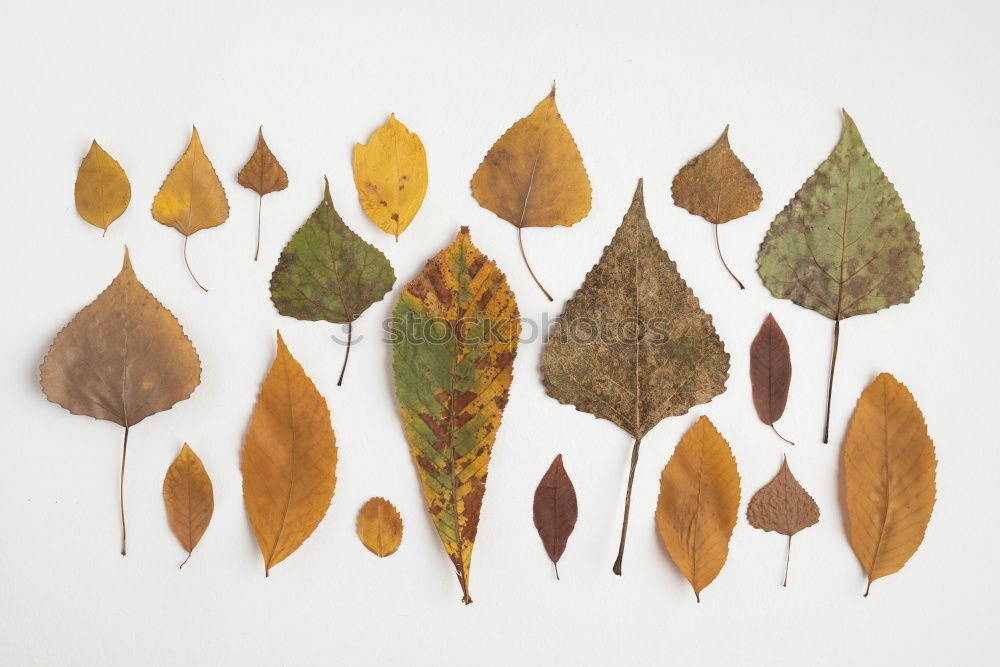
column 844, row 245
column 327, row 272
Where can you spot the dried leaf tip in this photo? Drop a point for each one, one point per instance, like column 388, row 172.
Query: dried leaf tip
column 327, row 199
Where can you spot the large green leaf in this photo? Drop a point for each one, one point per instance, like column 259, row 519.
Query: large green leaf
column 327, row 272
column 844, row 245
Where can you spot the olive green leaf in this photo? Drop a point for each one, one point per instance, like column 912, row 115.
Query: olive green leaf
column 327, row 272
column 844, row 245
column 633, row 345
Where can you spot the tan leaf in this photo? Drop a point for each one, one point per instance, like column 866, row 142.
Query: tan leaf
column 263, row 174
column 696, row 509
column 783, row 506
column 191, row 198
column 122, row 358
column 187, row 493
column 533, row 176
column 390, row 173
column 380, row 527
column 289, row 461
column 889, row 475
column 102, row 189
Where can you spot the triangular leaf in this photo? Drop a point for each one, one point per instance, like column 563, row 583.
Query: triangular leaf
column 263, row 174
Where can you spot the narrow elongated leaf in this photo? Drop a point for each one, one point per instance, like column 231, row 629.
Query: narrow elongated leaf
column 844, row 245
column 102, row 189
column 122, row 358
column 263, row 174
column 696, row 509
column 455, row 334
column 717, row 186
column 783, row 506
column 289, row 460
column 889, row 476
column 380, row 527
column 633, row 345
column 770, row 373
column 187, row 493
column 327, row 272
column 533, row 176
column 191, row 198
column 390, row 173
column 555, row 510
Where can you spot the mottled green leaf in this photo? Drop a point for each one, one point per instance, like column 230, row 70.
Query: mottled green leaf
column 844, row 245
column 455, row 333
column 327, row 272
column 633, row 345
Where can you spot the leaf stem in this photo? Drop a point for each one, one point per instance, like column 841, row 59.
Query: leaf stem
column 556, row 565
column 260, row 205
column 181, row 566
column 719, row 248
column 346, row 354
column 788, row 557
column 520, row 242
column 617, row 568
column 781, row 436
column 188, row 265
column 829, row 390
column 121, row 488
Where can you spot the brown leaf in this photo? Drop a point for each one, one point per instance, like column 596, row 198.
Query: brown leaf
column 770, row 373
column 696, row 509
column 187, row 493
column 783, row 506
column 380, row 527
column 889, row 475
column 555, row 510
column 533, row 176
column 633, row 345
column 289, row 461
column 263, row 174
column 102, row 190
column 717, row 186
column 122, row 358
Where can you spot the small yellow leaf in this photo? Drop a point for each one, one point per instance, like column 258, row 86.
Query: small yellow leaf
column 889, row 477
column 187, row 493
column 102, row 189
column 380, row 527
column 699, row 497
column 191, row 198
column 390, row 173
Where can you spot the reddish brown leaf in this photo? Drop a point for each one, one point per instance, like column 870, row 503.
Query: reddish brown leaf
column 555, row 510
column 770, row 373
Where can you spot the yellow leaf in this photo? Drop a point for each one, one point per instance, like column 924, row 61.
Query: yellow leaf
column 289, row 461
column 102, row 189
column 533, row 176
column 187, row 493
column 889, row 474
column 699, row 497
column 390, row 173
column 380, row 527
column 191, row 198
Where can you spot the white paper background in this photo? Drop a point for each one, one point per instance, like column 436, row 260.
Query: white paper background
column 644, row 86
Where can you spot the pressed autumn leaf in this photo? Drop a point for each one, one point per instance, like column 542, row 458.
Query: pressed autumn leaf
column 122, row 358
column 390, row 173
column 191, row 198
column 289, row 460
column 770, row 373
column 555, row 510
column 454, row 336
column 633, row 345
column 263, row 174
column 187, row 493
column 717, row 186
column 102, row 189
column 889, row 475
column 696, row 509
column 533, row 176
column 783, row 506
column 844, row 245
column 327, row 272
column 380, row 527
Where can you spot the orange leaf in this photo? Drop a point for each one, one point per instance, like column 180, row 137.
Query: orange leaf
column 380, row 527
column 187, row 493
